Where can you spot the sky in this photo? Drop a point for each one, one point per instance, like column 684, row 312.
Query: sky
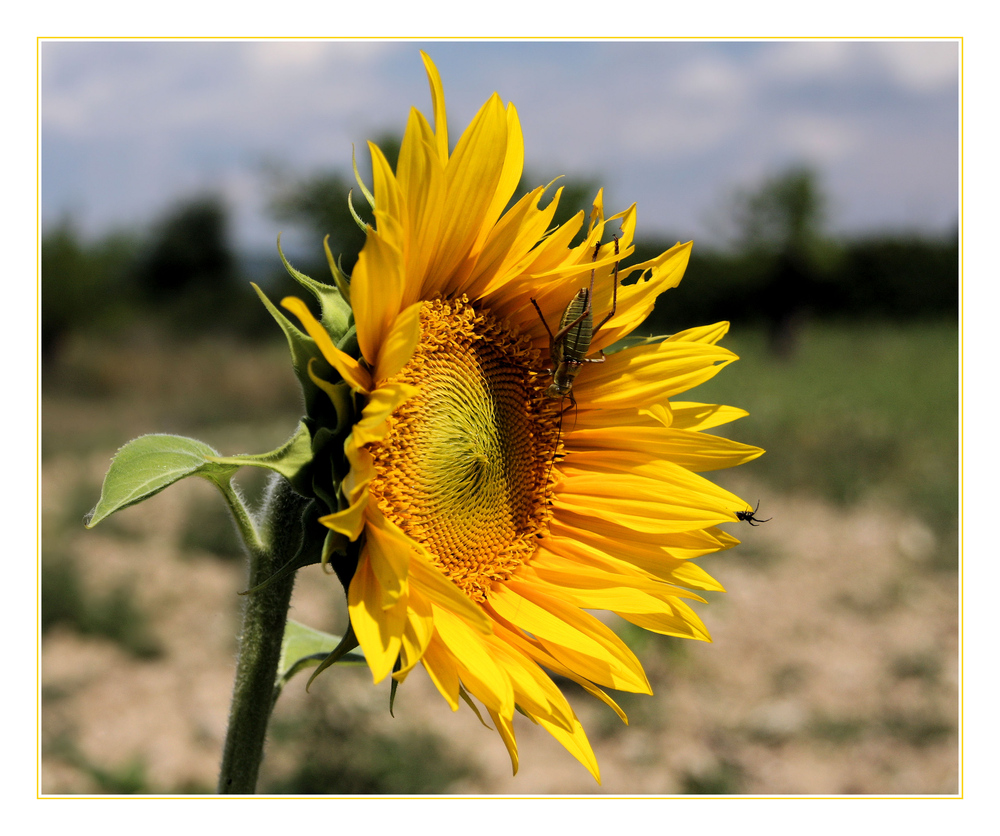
column 130, row 127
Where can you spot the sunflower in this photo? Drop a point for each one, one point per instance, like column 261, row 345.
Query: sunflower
column 489, row 516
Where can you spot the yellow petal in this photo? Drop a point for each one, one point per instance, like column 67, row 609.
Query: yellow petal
column 351, row 521
column 377, row 287
column 707, row 334
column 598, row 589
column 701, row 416
column 389, row 557
column 597, row 472
column 694, row 451
column 377, row 628
column 473, row 175
column 566, row 631
column 382, row 402
column 682, row 622
column 593, row 529
column 437, row 97
column 361, row 473
column 432, row 583
column 635, row 301
column 505, row 727
column 576, row 744
column 533, row 650
column 478, row 670
column 417, row 634
column 391, row 211
column 624, row 558
column 510, row 176
column 347, row 367
column 440, row 666
column 399, row 345
column 509, row 246
column 534, row 691
column 649, row 373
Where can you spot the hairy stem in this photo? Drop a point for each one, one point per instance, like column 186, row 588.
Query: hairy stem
column 260, row 639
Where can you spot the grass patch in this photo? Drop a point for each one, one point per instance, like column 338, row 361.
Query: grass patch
column 838, row 730
column 128, row 778
column 917, row 730
column 209, row 528
column 724, row 779
column 340, row 756
column 113, row 615
column 918, row 665
column 861, row 411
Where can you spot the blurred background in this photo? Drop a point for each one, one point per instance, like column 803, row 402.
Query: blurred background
column 820, row 183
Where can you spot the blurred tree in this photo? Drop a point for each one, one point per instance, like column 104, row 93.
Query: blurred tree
column 780, row 230
column 903, row 276
column 189, row 276
column 84, row 285
column 188, row 269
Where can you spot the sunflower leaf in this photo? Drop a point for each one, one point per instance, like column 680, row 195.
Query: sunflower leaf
column 150, row 463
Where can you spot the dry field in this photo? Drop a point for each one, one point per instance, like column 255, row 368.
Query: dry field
column 833, row 670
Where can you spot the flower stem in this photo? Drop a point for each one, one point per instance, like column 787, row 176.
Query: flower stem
column 260, row 639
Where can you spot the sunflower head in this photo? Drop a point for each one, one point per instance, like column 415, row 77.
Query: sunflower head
column 488, row 470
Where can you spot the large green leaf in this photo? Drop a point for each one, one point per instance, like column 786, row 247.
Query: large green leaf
column 150, row 463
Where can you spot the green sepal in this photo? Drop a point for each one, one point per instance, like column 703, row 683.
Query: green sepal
column 339, row 279
column 334, row 543
column 349, row 342
column 303, row 349
column 357, row 176
column 291, row 460
column 325, row 482
column 344, row 651
column 394, row 684
column 303, row 647
column 336, row 315
column 354, row 213
column 468, row 701
column 150, row 463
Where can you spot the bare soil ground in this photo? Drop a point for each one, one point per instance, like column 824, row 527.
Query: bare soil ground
column 833, row 670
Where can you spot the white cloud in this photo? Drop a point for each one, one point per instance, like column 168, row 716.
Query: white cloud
column 802, row 61
column 922, row 66
column 817, row 138
column 712, row 80
column 125, row 123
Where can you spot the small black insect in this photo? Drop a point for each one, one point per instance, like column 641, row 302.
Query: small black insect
column 749, row 516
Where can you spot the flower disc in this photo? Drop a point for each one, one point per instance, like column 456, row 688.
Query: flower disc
column 466, row 467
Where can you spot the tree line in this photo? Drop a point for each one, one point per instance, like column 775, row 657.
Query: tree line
column 778, row 268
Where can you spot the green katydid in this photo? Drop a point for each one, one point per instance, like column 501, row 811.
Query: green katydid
column 569, row 346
